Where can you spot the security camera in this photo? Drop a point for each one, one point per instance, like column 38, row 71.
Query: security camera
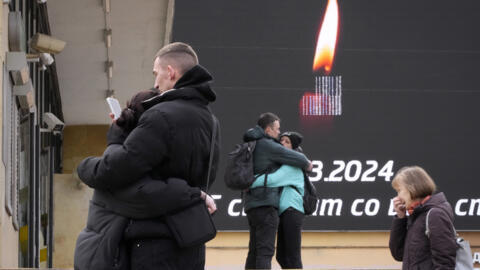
column 53, row 123
column 46, row 59
column 47, row 44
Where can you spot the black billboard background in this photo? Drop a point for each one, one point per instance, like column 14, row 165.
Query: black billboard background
column 410, row 92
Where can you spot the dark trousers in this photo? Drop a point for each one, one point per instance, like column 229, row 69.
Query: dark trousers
column 289, row 239
column 263, row 222
column 165, row 254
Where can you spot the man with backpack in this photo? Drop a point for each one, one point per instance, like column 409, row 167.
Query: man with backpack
column 261, row 203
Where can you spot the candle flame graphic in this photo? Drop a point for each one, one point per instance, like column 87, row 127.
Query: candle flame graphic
column 327, row 39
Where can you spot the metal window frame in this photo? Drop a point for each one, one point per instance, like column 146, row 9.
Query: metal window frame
column 45, row 83
column 10, row 148
column 15, row 163
column 6, row 138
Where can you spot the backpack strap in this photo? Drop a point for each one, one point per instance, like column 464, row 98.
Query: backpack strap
column 267, row 171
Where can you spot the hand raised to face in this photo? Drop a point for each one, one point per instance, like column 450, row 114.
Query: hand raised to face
column 399, row 206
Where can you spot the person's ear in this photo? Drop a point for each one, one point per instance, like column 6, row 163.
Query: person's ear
column 172, row 74
column 268, row 129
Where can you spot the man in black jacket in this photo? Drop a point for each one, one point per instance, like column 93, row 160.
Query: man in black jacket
column 172, row 139
column 261, row 203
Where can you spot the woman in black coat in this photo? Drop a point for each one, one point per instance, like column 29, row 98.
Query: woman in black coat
column 408, row 240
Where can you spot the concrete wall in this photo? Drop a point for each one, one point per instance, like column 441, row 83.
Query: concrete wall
column 138, row 31
column 320, row 250
column 8, row 235
column 71, row 196
column 229, row 249
column 80, row 142
column 71, row 208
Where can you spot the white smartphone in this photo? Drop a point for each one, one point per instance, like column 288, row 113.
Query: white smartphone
column 114, row 107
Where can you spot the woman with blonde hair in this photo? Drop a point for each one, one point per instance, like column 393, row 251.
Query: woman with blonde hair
column 409, row 242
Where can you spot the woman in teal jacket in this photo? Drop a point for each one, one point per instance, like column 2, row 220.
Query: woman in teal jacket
column 291, row 179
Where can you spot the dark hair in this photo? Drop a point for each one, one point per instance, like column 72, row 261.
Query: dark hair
column 130, row 115
column 266, row 119
column 295, row 138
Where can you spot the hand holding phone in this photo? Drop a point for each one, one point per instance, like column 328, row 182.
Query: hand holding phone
column 114, row 107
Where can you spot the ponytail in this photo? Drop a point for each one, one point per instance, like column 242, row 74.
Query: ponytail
column 129, row 117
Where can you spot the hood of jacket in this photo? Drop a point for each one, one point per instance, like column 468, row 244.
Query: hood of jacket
column 254, row 134
column 436, row 201
column 193, row 85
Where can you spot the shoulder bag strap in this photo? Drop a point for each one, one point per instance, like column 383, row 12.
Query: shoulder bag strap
column 212, row 147
column 427, row 229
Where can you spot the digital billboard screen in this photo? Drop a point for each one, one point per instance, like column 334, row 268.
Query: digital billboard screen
column 397, row 86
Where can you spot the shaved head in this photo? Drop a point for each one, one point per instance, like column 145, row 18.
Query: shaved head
column 179, row 55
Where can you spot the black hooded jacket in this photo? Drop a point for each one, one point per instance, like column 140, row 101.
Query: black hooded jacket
column 172, row 139
column 409, row 244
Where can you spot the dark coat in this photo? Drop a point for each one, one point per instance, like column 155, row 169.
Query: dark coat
column 101, row 244
column 268, row 156
column 409, row 244
column 172, row 139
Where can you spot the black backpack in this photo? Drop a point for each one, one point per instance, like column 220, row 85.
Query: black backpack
column 310, row 197
column 239, row 170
